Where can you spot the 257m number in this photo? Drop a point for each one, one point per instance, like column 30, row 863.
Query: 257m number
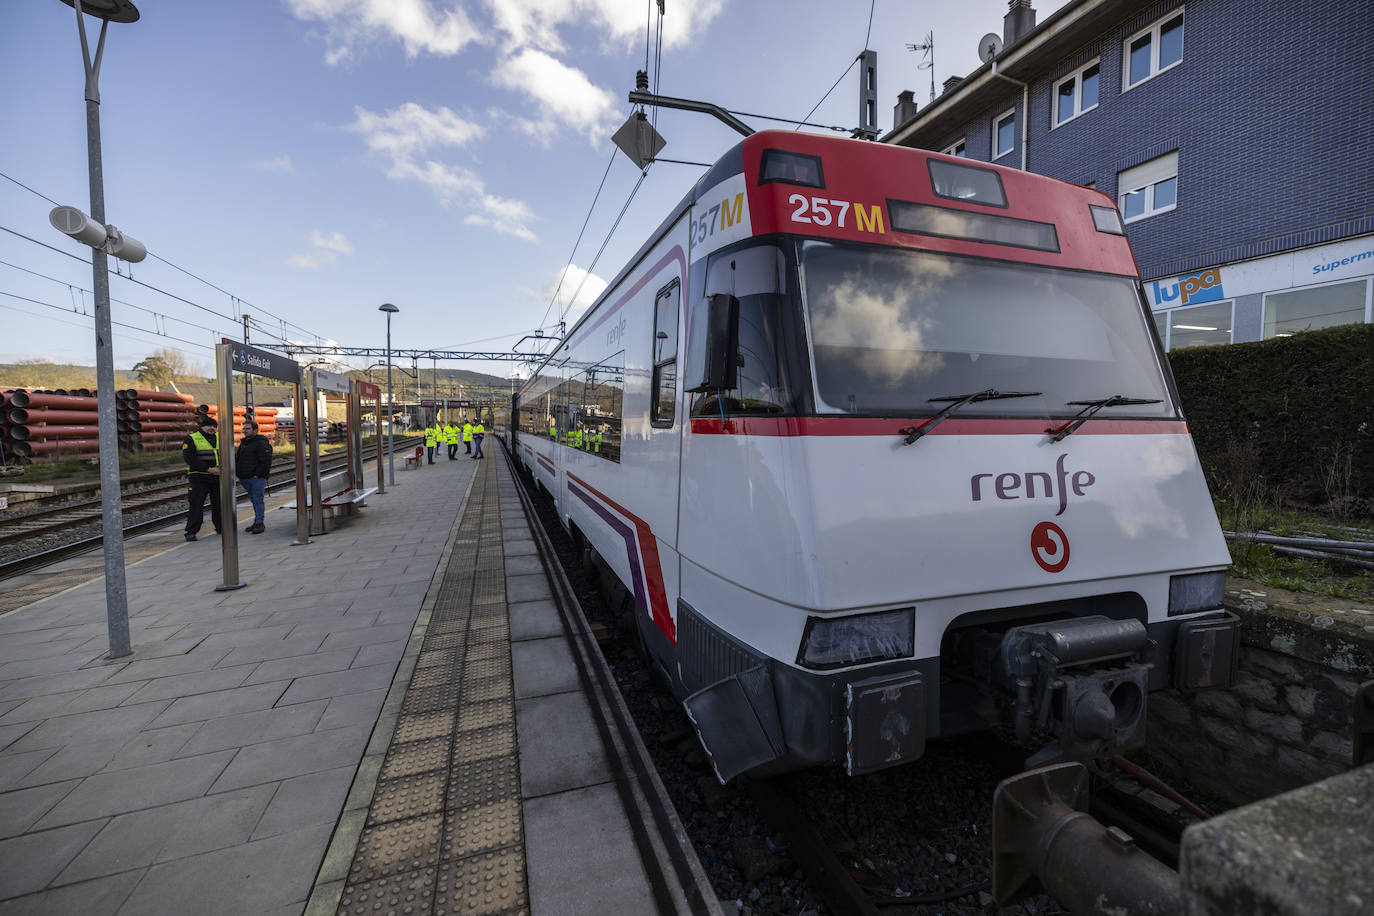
column 821, row 211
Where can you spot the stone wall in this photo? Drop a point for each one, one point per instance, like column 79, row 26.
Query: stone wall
column 1287, row 720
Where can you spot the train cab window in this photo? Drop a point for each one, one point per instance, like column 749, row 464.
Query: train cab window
column 757, row 277
column 664, row 393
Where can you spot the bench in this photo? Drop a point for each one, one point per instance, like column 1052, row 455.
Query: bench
column 413, row 461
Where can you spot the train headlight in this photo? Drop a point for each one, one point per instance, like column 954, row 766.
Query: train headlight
column 837, row 642
column 1196, row 592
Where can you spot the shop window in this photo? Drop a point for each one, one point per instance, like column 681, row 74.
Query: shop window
column 1199, row 326
column 1315, row 307
column 1148, row 189
column 1076, row 93
column 1153, row 50
column 1003, row 133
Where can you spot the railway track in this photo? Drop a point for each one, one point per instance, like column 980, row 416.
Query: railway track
column 18, row 528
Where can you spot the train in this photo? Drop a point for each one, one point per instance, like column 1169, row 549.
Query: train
column 883, row 447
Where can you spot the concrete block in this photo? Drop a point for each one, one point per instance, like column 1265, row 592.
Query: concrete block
column 169, row 832
column 106, row 794
column 606, row 877
column 338, row 683
column 254, row 728
column 222, row 703
column 534, row 620
column 256, row 877
column 33, row 860
column 281, row 669
column 1218, row 702
column 1306, row 851
column 542, row 667
column 284, row 758
column 102, row 897
column 560, row 748
column 104, row 724
column 305, row 801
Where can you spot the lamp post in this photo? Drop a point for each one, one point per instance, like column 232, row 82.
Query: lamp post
column 112, row 526
column 390, row 405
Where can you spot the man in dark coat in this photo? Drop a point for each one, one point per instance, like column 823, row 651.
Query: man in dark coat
column 201, row 451
column 252, row 466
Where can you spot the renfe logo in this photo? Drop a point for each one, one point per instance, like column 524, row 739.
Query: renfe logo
column 1011, row 485
column 1202, row 287
column 1050, row 547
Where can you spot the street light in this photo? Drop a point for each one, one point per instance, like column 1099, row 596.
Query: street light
column 390, row 405
column 112, row 513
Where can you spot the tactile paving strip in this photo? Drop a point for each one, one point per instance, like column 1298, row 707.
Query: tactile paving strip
column 495, row 741
column 406, row 797
column 475, row 828
column 482, row 885
column 410, row 892
column 416, row 757
column 444, row 832
column 473, row 716
column 471, row 782
column 401, row 846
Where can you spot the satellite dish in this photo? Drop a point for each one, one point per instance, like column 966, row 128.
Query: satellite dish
column 989, row 46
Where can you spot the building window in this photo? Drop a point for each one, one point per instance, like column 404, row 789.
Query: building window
column 1003, row 133
column 1149, row 188
column 1076, row 93
column 1151, row 51
column 957, row 149
column 1198, row 326
column 1315, row 307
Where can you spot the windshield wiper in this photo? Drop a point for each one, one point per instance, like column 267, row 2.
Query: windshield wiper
column 913, row 433
column 1090, row 408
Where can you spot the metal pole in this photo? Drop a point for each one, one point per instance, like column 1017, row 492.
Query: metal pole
column 316, row 493
column 247, row 379
column 302, row 514
column 434, row 379
column 228, row 512
column 390, row 407
column 112, row 510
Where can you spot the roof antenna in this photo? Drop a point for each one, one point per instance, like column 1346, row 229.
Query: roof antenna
column 927, row 49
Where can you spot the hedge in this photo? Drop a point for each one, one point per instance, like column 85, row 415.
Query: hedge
column 1305, row 405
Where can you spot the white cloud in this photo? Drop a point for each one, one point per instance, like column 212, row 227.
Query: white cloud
column 280, row 163
column 413, row 129
column 576, row 281
column 325, row 248
column 536, row 22
column 564, row 93
column 349, row 24
column 407, row 134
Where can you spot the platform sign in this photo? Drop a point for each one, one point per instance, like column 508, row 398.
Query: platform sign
column 243, row 358
column 447, row 402
column 332, row 381
column 369, row 390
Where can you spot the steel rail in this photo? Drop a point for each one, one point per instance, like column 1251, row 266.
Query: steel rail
column 29, row 563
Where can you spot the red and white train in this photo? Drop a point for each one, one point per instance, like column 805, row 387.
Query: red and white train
column 884, row 445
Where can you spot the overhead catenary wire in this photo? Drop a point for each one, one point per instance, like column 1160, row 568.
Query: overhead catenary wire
column 610, row 232
column 867, row 34
column 237, row 299
column 92, row 317
column 564, row 273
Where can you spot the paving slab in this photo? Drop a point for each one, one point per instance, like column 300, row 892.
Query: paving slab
column 208, row 767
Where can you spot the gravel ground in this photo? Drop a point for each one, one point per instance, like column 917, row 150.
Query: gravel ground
column 919, row 829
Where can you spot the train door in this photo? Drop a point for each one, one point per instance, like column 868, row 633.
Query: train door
column 665, row 416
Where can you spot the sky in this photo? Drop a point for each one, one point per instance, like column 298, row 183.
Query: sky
column 305, row 161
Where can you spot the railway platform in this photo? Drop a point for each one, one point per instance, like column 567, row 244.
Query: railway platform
column 403, row 716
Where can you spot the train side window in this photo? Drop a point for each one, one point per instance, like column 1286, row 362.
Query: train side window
column 664, row 392
column 755, row 276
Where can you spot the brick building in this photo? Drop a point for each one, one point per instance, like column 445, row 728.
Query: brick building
column 1237, row 137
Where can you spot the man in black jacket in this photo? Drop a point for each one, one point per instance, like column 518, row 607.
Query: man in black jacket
column 201, row 451
column 253, row 465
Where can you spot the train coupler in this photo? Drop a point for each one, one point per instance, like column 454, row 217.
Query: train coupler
column 1082, row 679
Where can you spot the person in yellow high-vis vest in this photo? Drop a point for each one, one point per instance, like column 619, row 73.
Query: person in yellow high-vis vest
column 451, row 438
column 201, row 451
column 479, row 432
column 553, row 429
column 431, row 440
column 467, row 437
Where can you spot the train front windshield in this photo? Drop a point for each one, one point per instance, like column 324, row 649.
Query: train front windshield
column 891, row 328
